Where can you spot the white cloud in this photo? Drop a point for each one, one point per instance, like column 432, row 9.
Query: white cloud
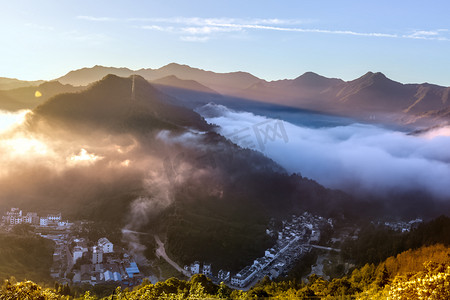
column 207, row 29
column 9, row 120
column 83, row 157
column 305, row 30
column 355, row 157
column 158, row 28
column 424, row 32
column 428, row 35
column 213, row 26
column 97, row 19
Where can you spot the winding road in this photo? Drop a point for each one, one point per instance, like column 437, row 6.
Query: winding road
column 161, row 252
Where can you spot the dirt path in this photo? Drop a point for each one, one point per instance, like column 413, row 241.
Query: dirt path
column 161, row 252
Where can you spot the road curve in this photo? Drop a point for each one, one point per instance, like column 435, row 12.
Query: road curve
column 161, row 252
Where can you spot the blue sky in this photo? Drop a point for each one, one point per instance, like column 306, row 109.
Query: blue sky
column 409, row 41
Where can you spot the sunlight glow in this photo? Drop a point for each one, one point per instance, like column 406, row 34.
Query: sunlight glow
column 9, row 120
column 22, row 146
column 125, row 163
column 38, row 94
column 84, row 157
column 440, row 132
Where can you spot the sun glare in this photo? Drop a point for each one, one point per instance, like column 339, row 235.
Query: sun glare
column 22, row 146
column 84, row 157
column 440, row 132
column 9, row 120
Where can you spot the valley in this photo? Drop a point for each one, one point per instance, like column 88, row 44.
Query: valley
column 242, row 192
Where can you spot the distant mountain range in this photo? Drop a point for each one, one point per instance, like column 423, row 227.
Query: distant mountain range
column 373, row 96
column 12, row 83
column 224, row 83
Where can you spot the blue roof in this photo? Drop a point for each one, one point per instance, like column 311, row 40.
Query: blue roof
column 133, row 269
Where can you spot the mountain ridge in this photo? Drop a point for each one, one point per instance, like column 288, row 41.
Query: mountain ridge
column 116, row 101
column 372, row 96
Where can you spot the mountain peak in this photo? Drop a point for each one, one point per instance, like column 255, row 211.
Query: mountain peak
column 175, row 66
column 377, row 79
column 310, row 75
column 312, row 79
column 374, row 76
column 120, row 103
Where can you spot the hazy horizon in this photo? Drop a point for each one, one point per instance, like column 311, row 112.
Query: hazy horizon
column 225, row 72
column 407, row 42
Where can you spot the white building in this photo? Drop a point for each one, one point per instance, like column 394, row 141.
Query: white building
column 108, row 275
column 79, row 249
column 16, row 220
column 53, row 219
column 195, row 268
column 105, row 245
column 207, row 269
column 236, row 280
column 31, row 218
column 97, row 255
column 15, row 216
column 63, row 223
column 43, row 222
column 117, row 276
column 244, row 276
column 14, row 212
column 270, row 253
column 223, row 275
column 77, row 253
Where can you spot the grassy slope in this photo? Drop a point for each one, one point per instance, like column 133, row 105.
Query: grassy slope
column 25, row 257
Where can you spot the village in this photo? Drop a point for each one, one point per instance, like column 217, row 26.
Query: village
column 402, row 226
column 295, row 238
column 77, row 260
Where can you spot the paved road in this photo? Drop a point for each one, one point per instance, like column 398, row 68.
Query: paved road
column 161, row 252
column 325, row 248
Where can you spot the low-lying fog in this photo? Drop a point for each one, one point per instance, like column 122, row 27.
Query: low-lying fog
column 357, row 158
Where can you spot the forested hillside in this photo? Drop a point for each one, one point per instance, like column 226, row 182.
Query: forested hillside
column 25, row 256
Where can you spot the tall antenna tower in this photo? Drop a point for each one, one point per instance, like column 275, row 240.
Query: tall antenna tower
column 132, row 88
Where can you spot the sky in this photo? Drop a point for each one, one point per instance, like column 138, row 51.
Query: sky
column 409, row 41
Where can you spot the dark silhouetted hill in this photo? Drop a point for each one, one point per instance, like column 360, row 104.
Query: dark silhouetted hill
column 120, row 103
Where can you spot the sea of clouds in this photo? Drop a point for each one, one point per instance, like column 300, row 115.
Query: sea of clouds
column 357, row 158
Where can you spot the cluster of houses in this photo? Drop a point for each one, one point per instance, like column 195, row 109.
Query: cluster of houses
column 16, row 216
column 80, row 248
column 293, row 239
column 102, row 263
column 403, row 226
column 197, row 268
column 77, row 260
